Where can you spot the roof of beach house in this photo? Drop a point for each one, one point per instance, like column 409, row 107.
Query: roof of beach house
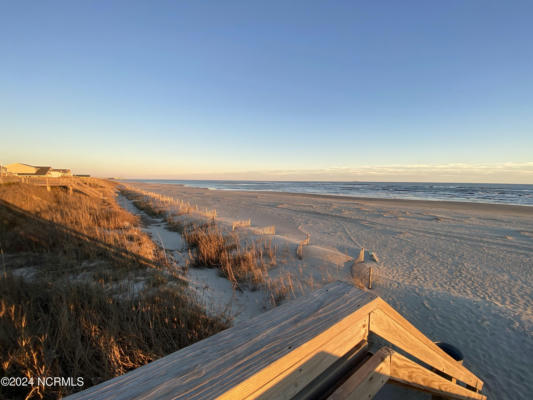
column 26, row 169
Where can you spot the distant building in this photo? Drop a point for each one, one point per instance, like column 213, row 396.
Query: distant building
column 33, row 170
column 25, row 169
column 59, row 172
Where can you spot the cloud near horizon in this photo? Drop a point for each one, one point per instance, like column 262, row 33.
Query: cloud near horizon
column 508, row 172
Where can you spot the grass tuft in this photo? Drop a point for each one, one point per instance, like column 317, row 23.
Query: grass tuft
column 245, row 265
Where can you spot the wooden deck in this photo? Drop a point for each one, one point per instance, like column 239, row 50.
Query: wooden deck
column 317, row 346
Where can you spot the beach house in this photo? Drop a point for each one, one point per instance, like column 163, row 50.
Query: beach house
column 32, row 170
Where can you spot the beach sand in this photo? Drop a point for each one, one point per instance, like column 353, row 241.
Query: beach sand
column 460, row 272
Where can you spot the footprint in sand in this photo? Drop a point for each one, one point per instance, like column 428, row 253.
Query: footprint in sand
column 404, row 235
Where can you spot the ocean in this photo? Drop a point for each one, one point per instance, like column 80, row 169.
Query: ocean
column 466, row 192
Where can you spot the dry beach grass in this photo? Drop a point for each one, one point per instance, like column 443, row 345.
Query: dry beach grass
column 240, row 263
column 243, row 262
column 83, row 291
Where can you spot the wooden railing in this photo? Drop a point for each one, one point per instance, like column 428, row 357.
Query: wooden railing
column 10, row 179
column 319, row 346
column 38, row 180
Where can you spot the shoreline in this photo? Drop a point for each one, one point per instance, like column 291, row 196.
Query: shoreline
column 517, row 208
column 526, row 208
column 457, row 205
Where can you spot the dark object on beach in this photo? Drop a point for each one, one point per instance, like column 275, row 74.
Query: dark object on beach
column 452, row 351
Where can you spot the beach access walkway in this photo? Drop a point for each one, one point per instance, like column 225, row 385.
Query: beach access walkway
column 338, row 342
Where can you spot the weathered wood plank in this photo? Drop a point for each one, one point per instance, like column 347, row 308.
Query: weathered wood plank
column 249, row 353
column 367, row 380
column 327, row 381
column 329, row 347
column 394, row 328
column 409, row 373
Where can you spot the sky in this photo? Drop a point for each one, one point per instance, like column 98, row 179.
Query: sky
column 281, row 90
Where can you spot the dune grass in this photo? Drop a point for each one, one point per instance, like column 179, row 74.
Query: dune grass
column 244, row 262
column 73, row 227
column 243, row 259
column 157, row 205
column 83, row 291
column 241, row 263
column 80, row 330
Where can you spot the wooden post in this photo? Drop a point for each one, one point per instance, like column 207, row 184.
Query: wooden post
column 370, row 278
column 300, row 251
column 361, row 257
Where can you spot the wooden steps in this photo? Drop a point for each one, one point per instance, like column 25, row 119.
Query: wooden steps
column 314, row 347
column 388, row 365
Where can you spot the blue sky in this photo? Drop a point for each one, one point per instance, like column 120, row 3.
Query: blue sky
column 381, row 90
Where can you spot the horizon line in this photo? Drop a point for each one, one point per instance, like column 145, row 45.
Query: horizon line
column 306, row 181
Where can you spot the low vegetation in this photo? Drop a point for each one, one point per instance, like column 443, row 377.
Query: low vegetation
column 242, row 264
column 157, row 205
column 83, row 291
column 243, row 261
column 213, row 247
column 77, row 226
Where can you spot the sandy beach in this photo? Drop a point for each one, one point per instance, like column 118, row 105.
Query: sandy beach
column 460, row 272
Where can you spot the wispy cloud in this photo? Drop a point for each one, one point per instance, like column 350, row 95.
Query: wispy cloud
column 509, row 172
column 525, row 168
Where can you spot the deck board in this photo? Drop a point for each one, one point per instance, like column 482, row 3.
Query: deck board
column 225, row 362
